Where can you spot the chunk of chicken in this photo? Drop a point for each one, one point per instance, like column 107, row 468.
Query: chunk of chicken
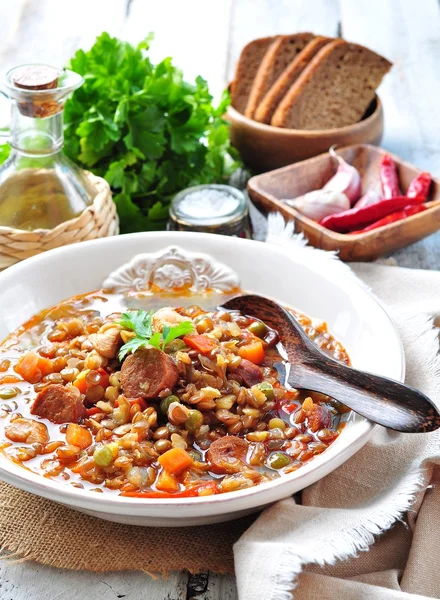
column 27, row 431
column 166, row 316
column 106, row 343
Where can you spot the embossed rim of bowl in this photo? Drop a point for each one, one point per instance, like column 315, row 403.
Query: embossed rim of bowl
column 312, row 133
column 113, row 250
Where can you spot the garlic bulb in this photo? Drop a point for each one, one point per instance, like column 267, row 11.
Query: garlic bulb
column 320, row 203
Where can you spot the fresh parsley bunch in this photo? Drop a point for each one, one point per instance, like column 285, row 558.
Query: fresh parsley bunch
column 144, row 129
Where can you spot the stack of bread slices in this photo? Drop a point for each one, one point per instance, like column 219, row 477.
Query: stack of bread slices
column 306, row 81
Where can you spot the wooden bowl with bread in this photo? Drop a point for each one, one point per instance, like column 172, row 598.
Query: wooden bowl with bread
column 293, row 96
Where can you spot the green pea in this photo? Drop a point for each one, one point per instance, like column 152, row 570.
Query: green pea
column 278, row 460
column 267, row 389
column 103, row 455
column 194, row 422
column 165, row 403
column 174, row 346
column 258, row 328
column 8, row 393
column 195, row 455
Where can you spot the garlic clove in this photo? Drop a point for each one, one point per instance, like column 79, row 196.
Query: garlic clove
column 319, row 204
column 346, row 180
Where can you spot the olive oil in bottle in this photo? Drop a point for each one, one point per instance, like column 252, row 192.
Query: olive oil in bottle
column 39, row 186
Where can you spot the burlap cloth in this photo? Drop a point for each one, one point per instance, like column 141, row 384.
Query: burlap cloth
column 390, row 485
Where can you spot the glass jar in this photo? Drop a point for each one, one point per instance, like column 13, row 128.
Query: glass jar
column 211, row 208
column 39, row 186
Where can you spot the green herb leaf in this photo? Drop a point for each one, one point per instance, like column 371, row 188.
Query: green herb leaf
column 171, row 333
column 155, row 340
column 145, row 129
column 140, row 322
column 131, row 346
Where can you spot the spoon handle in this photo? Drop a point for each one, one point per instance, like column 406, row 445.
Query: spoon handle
column 384, row 401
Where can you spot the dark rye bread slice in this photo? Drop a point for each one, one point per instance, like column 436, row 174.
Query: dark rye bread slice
column 268, row 105
column 281, row 53
column 247, row 67
column 334, row 90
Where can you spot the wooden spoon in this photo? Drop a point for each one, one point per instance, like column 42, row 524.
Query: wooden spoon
column 381, row 400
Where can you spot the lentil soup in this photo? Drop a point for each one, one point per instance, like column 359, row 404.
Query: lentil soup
column 174, row 402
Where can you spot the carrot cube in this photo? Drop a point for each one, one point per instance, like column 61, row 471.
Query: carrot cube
column 175, row 460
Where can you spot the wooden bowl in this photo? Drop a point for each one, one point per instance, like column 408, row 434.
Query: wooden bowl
column 264, row 147
column 268, row 190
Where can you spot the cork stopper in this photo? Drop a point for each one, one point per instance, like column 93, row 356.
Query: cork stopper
column 38, row 79
column 35, row 77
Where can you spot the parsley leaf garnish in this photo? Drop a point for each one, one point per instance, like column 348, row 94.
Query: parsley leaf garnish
column 131, row 346
column 171, row 333
column 140, row 322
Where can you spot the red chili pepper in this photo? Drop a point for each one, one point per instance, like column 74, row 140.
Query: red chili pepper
column 140, row 401
column 358, row 218
column 202, row 489
column 289, row 408
column 396, row 216
column 388, row 178
column 370, row 197
column 419, row 186
column 92, row 411
column 104, row 378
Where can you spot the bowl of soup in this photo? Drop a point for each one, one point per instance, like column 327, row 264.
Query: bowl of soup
column 128, row 392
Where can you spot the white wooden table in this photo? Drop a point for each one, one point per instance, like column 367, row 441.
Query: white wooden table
column 205, row 37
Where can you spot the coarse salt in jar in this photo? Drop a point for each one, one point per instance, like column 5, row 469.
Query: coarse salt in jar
column 211, row 208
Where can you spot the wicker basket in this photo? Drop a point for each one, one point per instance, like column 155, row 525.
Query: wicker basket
column 97, row 220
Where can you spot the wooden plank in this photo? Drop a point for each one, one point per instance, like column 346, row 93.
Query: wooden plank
column 221, row 587
column 194, row 33
column 30, row 581
column 250, row 20
column 422, row 255
column 50, row 31
column 211, row 586
column 407, row 33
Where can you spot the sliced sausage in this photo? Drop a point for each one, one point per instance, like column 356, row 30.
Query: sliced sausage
column 148, row 372
column 226, row 455
column 250, row 373
column 58, row 404
column 27, row 431
column 106, row 343
column 320, row 418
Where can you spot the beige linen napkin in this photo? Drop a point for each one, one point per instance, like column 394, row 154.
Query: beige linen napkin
column 317, row 550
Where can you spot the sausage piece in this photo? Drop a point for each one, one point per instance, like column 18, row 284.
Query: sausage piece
column 27, row 431
column 320, row 418
column 58, row 404
column 107, row 342
column 148, row 372
column 249, row 372
column 226, row 455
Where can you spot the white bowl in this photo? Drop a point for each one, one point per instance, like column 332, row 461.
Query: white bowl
column 353, row 316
